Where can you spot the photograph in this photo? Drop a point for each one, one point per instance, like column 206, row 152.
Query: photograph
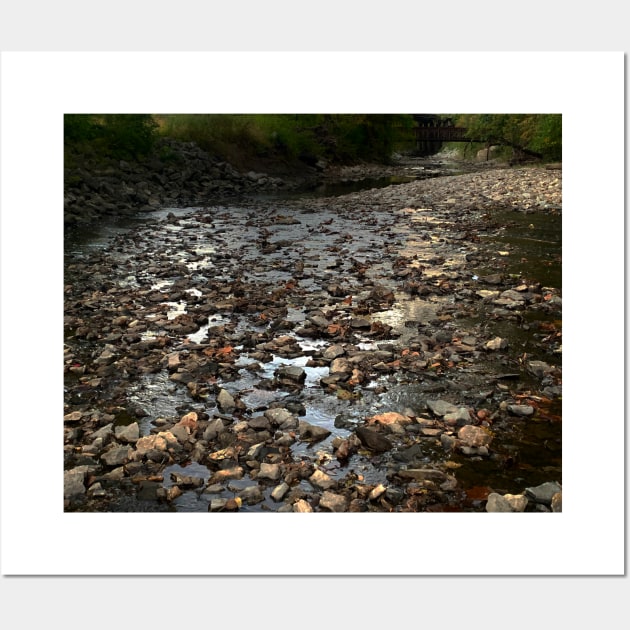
column 313, row 313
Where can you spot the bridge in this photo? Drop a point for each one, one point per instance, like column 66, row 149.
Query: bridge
column 431, row 131
column 441, row 134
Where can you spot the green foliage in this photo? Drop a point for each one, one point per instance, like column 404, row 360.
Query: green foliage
column 209, row 131
column 309, row 137
column 530, row 133
column 129, row 134
column 547, row 138
column 78, row 127
column 111, row 135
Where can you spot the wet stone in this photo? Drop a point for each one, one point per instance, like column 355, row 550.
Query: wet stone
column 259, row 423
column 225, row 401
column 441, row 407
column 269, row 471
column 497, row 503
column 128, row 433
column 544, row 493
column 333, row 502
column 556, row 502
column 214, row 428
column 312, row 432
column 496, row 344
column 321, row 480
column 279, row 492
column 539, row 368
column 251, row 495
column 475, row 436
column 460, row 417
column 291, row 374
column 302, row 506
column 74, row 416
column 73, row 482
column 521, row 410
column 281, row 418
column 333, row 352
column 117, row 456
column 372, row 440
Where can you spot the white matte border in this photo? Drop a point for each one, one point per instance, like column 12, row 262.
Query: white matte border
column 39, row 539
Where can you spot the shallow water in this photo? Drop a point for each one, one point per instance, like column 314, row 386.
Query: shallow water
column 526, row 246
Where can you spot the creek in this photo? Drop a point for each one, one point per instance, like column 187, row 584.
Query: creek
column 179, row 252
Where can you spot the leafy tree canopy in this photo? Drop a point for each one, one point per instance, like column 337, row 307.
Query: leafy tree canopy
column 531, row 133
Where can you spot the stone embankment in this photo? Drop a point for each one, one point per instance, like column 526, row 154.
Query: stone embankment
column 177, row 174
column 334, row 354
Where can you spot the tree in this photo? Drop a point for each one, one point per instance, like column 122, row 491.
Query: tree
column 112, row 135
column 538, row 135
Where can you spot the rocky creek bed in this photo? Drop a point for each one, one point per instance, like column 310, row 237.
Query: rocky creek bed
column 391, row 350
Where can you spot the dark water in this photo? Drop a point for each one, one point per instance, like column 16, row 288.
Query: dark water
column 534, row 243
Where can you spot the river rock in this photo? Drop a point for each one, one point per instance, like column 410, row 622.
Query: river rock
column 74, row 416
column 280, row 491
column 269, row 471
column 236, row 472
column 411, row 454
column 181, row 433
column 281, row 418
column 128, row 433
column 441, row 407
column 475, row 436
column 73, row 481
column 333, row 502
column 187, row 481
column 117, row 456
column 159, row 442
column 107, row 356
column 104, row 433
column 214, row 428
column 518, row 502
column 539, row 368
column 302, row 506
column 556, row 502
column 332, row 352
column 251, row 495
column 496, row 344
column 225, row 401
column 340, row 366
column 389, row 418
column 312, row 432
column 497, row 503
column 291, row 375
column 122, row 299
column 321, row 480
column 190, row 421
column 521, row 410
column 259, row 423
column 460, row 417
column 372, row 440
column 544, row 493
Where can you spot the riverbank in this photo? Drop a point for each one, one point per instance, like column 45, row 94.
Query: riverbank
column 176, row 174
column 181, row 174
column 377, row 351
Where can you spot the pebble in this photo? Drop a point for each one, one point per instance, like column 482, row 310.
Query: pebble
column 336, row 300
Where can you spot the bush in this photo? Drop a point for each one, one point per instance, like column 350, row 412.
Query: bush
column 309, row 137
column 111, row 135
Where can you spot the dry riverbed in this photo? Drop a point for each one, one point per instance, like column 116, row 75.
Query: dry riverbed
column 393, row 349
